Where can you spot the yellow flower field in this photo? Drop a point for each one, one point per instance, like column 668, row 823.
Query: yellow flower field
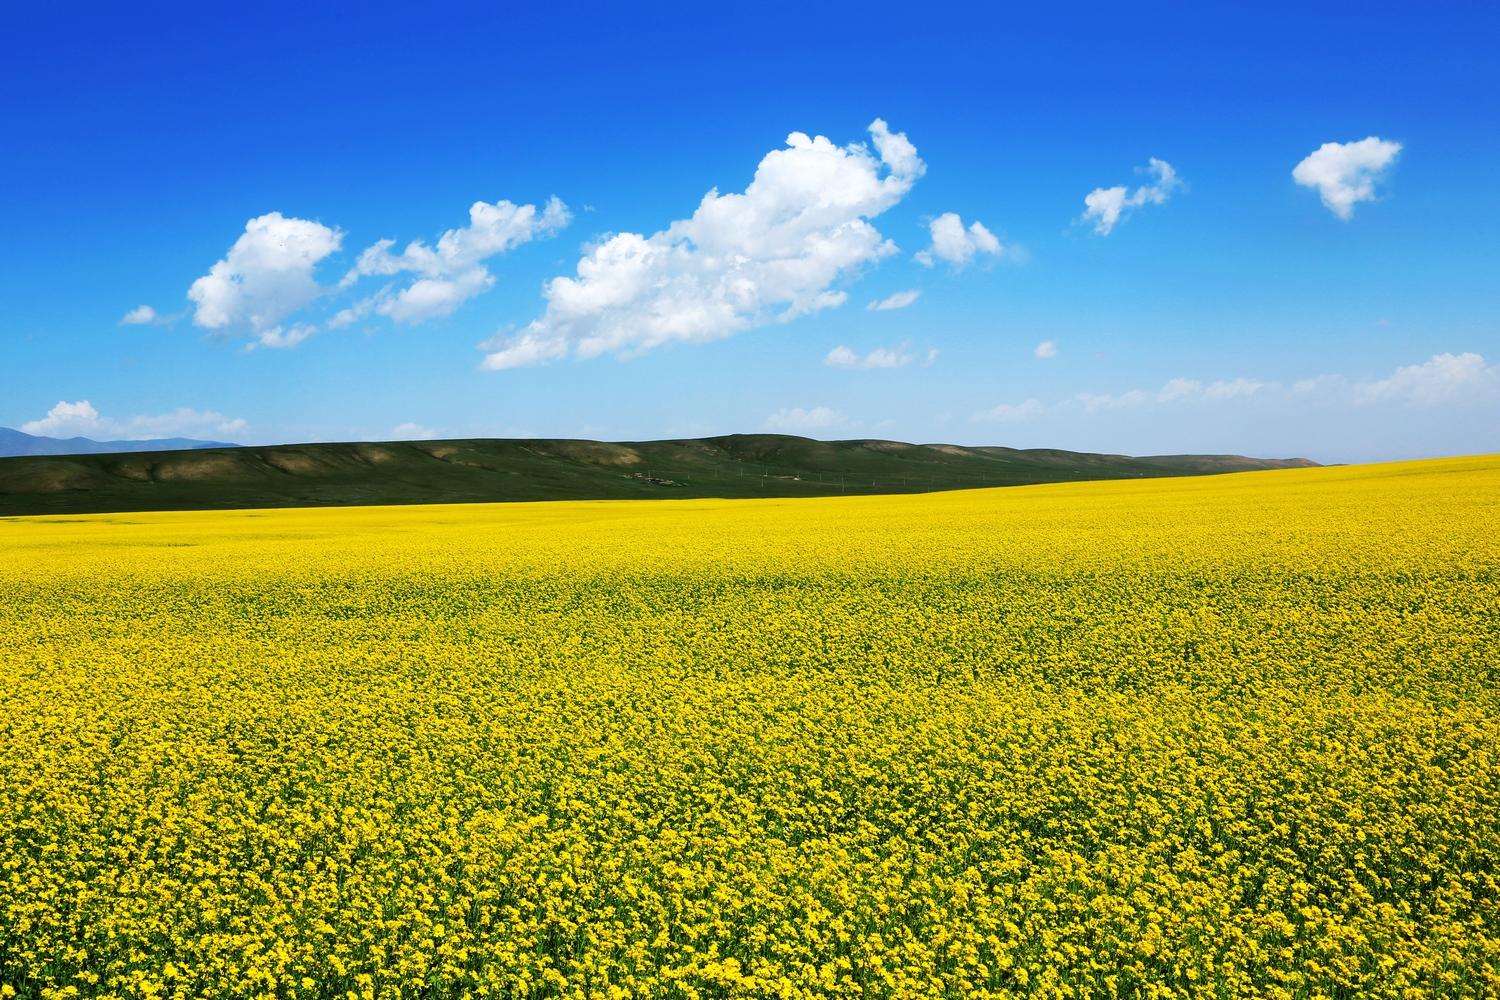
column 1234, row 736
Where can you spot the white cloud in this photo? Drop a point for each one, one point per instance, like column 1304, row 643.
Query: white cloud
column 183, row 422
column 1344, row 173
column 280, row 338
column 1172, row 391
column 1046, row 349
column 795, row 418
column 1178, row 388
column 413, row 432
column 880, row 357
column 1446, row 403
column 354, row 313
column 266, row 276
column 1106, row 207
column 899, row 300
column 1440, row 380
column 955, row 244
column 888, row 357
column 1443, row 378
column 742, row 260
column 1012, row 412
column 842, row 357
column 1092, row 402
column 1233, row 388
column 453, row 271
column 66, row 420
column 139, row 316
column 1319, row 383
column 80, row 419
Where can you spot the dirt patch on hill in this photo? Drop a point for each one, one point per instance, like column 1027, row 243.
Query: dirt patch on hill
column 887, row 446
column 375, row 454
column 295, row 463
column 593, row 452
column 190, row 467
column 136, row 470
column 50, row 478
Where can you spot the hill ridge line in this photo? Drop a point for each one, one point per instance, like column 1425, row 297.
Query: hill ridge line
column 461, row 470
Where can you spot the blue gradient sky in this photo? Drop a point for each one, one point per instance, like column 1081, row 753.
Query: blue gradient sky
column 138, row 142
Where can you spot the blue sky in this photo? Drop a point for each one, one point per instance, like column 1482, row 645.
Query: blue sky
column 1352, row 316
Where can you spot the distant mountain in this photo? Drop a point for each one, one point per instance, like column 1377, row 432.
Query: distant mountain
column 13, row 443
column 488, row 470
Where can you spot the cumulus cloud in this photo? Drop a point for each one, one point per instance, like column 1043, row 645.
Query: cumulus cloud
column 1178, row 388
column 1172, row 391
column 355, row 312
column 453, row 271
column 1012, row 412
column 1319, row 383
column 81, row 419
column 183, row 422
column 766, row 255
column 265, row 277
column 880, row 357
column 796, row 419
column 842, row 357
column 953, row 243
column 140, row 316
column 281, row 338
column 900, row 300
column 1046, row 349
column 1345, row 173
column 1443, row 378
column 1232, row 388
column 66, row 420
column 1107, row 207
column 1440, row 380
column 268, row 275
column 1436, row 391
column 888, row 357
column 1094, row 401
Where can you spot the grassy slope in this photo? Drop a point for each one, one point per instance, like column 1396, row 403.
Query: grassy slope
column 740, row 465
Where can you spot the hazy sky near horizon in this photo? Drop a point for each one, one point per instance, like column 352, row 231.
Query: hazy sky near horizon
column 1272, row 231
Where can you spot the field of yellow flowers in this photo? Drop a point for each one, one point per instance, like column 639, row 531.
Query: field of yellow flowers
column 1234, row 736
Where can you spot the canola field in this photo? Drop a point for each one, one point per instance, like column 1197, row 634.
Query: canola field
column 1234, row 736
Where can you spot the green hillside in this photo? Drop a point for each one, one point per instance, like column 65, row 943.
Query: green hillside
column 737, row 465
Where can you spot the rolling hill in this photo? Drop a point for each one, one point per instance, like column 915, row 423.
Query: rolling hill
column 736, row 465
